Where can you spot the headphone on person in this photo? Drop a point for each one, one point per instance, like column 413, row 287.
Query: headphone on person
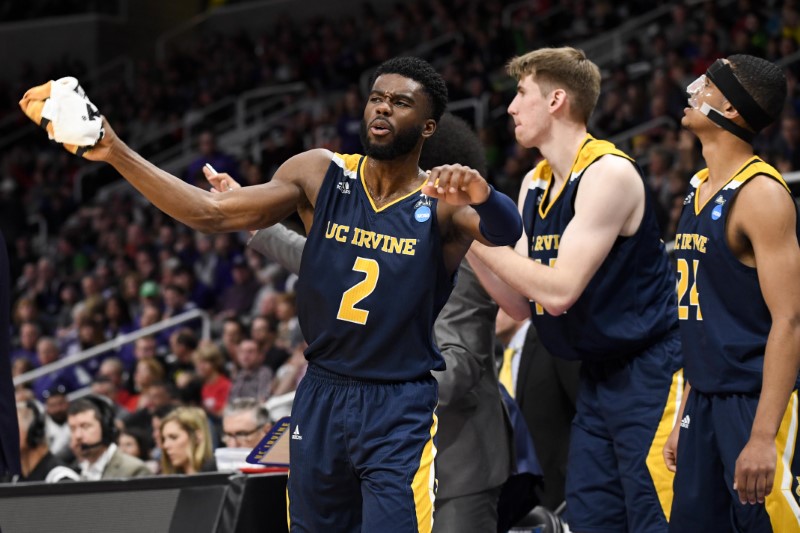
column 36, row 430
column 105, row 414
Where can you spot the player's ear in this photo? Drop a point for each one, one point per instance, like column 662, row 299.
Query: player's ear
column 429, row 128
column 558, row 98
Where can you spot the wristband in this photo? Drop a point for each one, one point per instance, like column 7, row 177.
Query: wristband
column 500, row 221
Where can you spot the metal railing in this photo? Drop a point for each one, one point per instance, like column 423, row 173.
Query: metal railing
column 117, row 342
column 480, row 107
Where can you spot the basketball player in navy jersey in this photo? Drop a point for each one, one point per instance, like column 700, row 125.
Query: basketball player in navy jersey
column 378, row 266
column 594, row 276
column 738, row 264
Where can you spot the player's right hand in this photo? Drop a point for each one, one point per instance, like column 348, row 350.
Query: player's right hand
column 105, row 146
column 671, row 449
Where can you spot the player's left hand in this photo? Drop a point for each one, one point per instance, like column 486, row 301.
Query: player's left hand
column 755, row 470
column 456, row 185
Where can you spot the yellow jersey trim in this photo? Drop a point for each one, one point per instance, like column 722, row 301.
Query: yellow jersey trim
column 369, row 196
column 591, row 149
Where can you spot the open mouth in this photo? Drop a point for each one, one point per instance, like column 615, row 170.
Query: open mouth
column 380, row 128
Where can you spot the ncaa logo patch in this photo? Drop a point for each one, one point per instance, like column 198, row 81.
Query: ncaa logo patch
column 422, row 213
column 716, row 212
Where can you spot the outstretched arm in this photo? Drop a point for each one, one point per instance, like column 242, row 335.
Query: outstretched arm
column 608, row 204
column 765, row 215
column 293, row 187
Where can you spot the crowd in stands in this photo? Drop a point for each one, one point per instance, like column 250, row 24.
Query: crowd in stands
column 114, row 267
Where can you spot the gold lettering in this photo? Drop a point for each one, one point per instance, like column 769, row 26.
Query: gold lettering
column 376, row 240
column 341, row 233
column 408, row 246
column 392, row 245
column 358, row 235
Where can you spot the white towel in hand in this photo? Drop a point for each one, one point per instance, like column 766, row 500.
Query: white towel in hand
column 74, row 117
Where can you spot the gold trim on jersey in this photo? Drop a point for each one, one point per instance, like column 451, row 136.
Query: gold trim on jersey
column 751, row 168
column 348, row 163
column 369, row 196
column 591, row 149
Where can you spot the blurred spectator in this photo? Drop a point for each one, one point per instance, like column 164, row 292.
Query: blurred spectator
column 93, row 436
column 29, row 333
column 38, row 464
column 244, row 423
column 253, row 379
column 113, row 370
column 209, row 367
column 232, row 335
column 237, row 299
column 291, row 372
column 211, row 154
column 67, row 379
column 56, row 427
column 264, row 331
column 90, row 334
column 182, row 342
column 21, row 366
column 117, row 316
column 186, row 442
column 148, row 372
column 198, row 292
column 289, row 333
column 785, row 148
column 138, row 443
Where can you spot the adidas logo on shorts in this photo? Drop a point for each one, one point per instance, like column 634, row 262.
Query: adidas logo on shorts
column 296, row 434
column 685, row 422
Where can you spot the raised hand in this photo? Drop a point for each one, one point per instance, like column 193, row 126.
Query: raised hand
column 219, row 182
column 456, row 185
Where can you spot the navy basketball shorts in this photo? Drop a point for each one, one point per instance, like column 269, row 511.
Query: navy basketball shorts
column 714, row 430
column 362, row 454
column 617, row 480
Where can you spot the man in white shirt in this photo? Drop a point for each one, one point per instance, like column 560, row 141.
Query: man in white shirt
column 93, row 436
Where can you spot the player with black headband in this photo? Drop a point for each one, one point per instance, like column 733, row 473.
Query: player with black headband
column 738, row 264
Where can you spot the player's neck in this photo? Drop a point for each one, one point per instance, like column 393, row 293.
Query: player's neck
column 724, row 155
column 391, row 178
column 561, row 147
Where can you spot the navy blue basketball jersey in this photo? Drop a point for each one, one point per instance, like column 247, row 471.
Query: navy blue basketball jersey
column 724, row 320
column 372, row 281
column 630, row 302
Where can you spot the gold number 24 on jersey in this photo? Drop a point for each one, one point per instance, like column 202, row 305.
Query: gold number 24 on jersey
column 684, row 274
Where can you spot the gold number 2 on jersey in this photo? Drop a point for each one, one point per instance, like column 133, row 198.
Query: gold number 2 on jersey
column 347, row 306
column 683, row 285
